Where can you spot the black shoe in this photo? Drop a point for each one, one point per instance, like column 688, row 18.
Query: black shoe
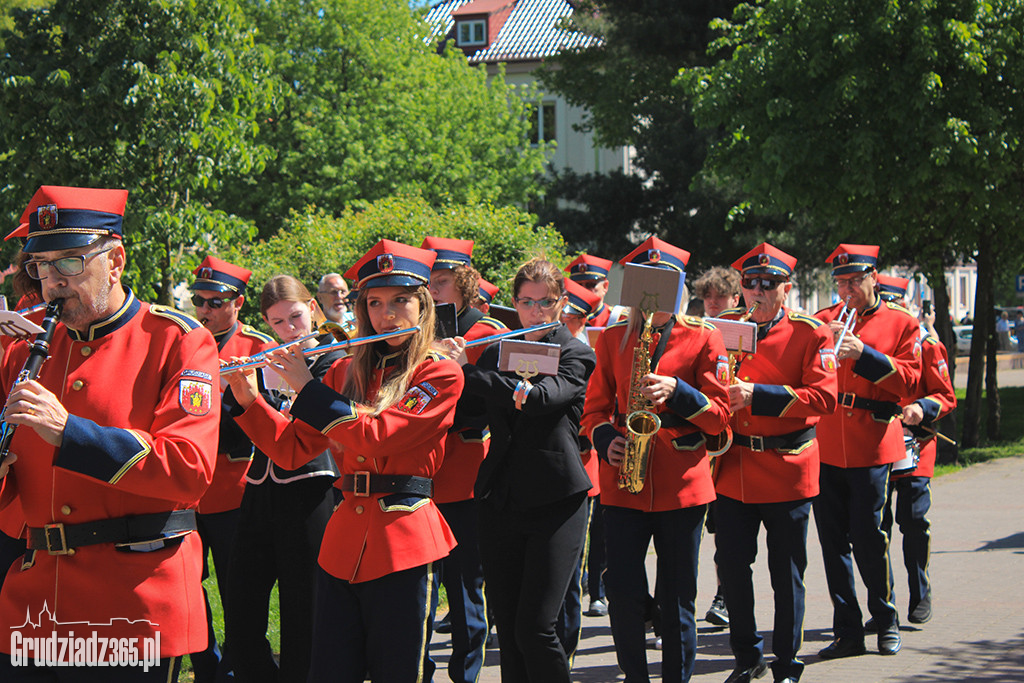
column 921, row 614
column 444, row 626
column 718, row 613
column 870, row 626
column 843, row 647
column 889, row 641
column 747, row 675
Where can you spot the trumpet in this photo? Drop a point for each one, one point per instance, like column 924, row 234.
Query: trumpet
column 848, row 318
column 263, row 359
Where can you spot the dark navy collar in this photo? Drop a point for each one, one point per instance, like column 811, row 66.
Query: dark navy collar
column 112, row 323
column 222, row 337
column 386, row 357
column 764, row 328
column 873, row 307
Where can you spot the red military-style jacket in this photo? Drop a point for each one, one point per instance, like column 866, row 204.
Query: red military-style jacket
column 794, row 377
column 936, row 396
column 372, row 536
column 467, row 441
column 678, row 474
column 886, row 372
column 233, row 454
column 140, row 390
column 600, row 317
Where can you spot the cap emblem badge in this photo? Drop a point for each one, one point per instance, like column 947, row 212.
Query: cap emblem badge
column 653, row 255
column 47, row 216
column 385, row 263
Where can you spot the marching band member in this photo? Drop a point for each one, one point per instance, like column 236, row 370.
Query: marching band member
column 116, row 443
column 281, row 519
column 218, row 293
column 592, row 272
column 532, row 488
column 770, row 473
column 454, row 281
column 686, row 385
column 485, row 296
column 879, row 364
column 384, row 412
column 933, row 399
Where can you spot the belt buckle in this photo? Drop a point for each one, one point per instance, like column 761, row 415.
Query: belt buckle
column 757, row 444
column 846, row 400
column 361, row 484
column 63, row 549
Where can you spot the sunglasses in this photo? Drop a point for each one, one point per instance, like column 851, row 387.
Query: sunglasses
column 213, row 303
column 755, row 282
column 530, row 303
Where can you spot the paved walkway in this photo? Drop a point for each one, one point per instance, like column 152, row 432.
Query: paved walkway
column 977, row 571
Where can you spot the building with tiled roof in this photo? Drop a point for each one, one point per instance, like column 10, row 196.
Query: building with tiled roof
column 521, row 34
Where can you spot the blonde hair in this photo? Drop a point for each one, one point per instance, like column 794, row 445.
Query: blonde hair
column 364, row 361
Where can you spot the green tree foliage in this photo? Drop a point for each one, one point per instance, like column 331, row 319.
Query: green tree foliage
column 898, row 123
column 7, row 10
column 156, row 97
column 313, row 242
column 626, row 84
column 366, row 108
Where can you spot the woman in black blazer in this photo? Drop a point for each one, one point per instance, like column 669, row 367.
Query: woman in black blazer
column 532, row 487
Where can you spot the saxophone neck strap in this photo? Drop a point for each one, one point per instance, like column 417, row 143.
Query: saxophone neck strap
column 659, row 350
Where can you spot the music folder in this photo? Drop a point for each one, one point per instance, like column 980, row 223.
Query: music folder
column 528, row 359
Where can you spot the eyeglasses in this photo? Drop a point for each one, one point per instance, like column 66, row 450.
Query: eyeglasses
column 530, row 303
column 755, row 282
column 334, row 292
column 589, row 284
column 213, row 302
column 68, row 266
column 848, row 282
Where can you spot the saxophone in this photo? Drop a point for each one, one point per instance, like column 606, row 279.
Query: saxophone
column 642, row 425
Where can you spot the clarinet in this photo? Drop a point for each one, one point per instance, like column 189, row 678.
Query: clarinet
column 37, row 354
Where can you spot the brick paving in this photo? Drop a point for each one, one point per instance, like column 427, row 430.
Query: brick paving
column 977, row 571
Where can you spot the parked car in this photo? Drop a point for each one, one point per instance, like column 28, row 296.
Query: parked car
column 963, row 339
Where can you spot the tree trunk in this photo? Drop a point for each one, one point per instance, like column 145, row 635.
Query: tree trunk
column 947, row 453
column 992, row 424
column 983, row 322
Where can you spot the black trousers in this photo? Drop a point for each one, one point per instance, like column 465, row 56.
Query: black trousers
column 737, row 526
column 848, row 514
column 529, row 557
column 217, row 532
column 278, row 540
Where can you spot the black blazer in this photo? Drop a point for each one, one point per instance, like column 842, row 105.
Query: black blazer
column 534, row 456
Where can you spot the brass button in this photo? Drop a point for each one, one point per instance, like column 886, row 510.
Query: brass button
column 359, row 509
column 77, row 384
column 65, row 509
column 746, row 378
column 849, row 413
column 746, row 424
column 360, row 458
column 86, row 350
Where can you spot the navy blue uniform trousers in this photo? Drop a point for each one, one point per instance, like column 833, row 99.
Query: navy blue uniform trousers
column 737, row 525
column 913, row 500
column 848, row 514
column 676, row 535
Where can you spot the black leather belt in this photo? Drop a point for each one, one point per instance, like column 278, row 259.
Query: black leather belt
column 363, row 484
column 781, row 442
column 884, row 408
column 62, row 539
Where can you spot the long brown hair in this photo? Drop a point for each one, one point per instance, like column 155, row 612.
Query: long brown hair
column 414, row 352
column 539, row 269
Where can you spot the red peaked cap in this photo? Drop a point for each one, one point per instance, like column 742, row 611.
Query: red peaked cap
column 60, row 217
column 450, row 252
column 586, row 267
column 582, row 301
column 658, row 252
column 894, row 287
column 216, row 275
column 392, row 264
column 487, row 290
column 853, row 258
column 764, row 259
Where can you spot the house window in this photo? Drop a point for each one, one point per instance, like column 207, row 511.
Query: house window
column 963, row 290
column 472, row 33
column 542, row 122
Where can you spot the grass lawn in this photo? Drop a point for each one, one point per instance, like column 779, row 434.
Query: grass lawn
column 1012, row 443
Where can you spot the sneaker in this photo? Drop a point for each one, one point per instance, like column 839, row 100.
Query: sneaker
column 921, row 613
column 444, row 626
column 718, row 614
column 598, row 608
